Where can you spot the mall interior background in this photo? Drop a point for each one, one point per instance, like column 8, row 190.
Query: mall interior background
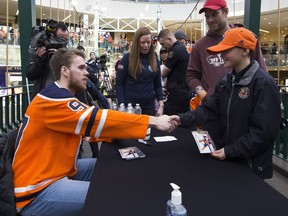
column 89, row 20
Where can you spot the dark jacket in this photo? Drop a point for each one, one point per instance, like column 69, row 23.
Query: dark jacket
column 142, row 90
column 248, row 111
column 39, row 71
column 7, row 199
column 91, row 95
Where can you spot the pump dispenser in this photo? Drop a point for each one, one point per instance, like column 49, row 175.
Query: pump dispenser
column 174, row 206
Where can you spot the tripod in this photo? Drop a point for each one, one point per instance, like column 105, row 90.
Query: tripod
column 105, row 82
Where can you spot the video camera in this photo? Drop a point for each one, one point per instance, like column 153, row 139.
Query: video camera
column 44, row 36
column 102, row 62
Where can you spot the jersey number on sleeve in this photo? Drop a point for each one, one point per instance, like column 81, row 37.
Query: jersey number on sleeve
column 76, row 106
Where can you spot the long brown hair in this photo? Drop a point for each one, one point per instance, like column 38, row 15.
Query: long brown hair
column 135, row 63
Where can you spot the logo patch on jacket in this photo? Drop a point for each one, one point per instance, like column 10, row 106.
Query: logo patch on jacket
column 120, row 67
column 244, row 92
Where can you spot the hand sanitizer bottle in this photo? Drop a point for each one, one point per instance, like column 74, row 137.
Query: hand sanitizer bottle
column 174, row 206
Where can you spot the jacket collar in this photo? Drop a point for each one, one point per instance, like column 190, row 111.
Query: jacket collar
column 247, row 77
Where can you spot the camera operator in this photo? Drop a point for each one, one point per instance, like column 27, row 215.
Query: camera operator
column 38, row 69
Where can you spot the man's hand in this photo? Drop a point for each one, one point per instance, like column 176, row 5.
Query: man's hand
column 219, row 154
column 164, row 91
column 175, row 119
column 162, row 123
column 41, row 51
column 52, row 51
column 200, row 91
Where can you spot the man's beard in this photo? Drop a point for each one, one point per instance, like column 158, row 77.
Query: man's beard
column 219, row 27
column 76, row 86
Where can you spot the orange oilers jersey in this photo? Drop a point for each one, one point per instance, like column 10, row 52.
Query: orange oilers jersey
column 49, row 137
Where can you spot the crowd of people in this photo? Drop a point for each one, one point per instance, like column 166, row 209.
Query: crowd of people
column 239, row 104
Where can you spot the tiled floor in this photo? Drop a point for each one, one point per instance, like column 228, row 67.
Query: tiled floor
column 278, row 182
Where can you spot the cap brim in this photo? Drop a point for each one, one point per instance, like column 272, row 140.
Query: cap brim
column 218, row 48
column 211, row 7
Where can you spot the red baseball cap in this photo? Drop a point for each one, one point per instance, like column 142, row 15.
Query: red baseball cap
column 213, row 5
column 236, row 37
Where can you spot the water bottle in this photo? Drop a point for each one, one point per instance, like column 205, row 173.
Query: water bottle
column 114, row 106
column 130, row 108
column 122, row 108
column 138, row 109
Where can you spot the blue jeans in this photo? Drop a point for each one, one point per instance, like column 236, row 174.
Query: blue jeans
column 65, row 196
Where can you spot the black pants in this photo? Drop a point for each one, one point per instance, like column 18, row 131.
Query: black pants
column 177, row 102
column 149, row 111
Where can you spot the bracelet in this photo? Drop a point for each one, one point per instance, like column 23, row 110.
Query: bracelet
column 199, row 88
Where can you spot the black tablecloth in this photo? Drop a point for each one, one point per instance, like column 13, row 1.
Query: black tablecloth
column 209, row 186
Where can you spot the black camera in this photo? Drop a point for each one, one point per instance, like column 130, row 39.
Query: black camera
column 102, row 62
column 45, row 36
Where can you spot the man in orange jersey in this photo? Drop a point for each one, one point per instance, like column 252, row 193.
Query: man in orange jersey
column 48, row 178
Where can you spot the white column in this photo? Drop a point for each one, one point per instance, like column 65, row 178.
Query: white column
column 96, row 29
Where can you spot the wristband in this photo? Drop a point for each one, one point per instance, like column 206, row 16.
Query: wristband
column 199, row 88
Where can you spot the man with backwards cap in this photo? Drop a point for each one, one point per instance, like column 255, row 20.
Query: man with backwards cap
column 181, row 37
column 204, row 69
column 246, row 102
column 175, row 71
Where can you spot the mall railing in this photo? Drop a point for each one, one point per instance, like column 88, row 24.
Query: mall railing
column 281, row 142
column 12, row 107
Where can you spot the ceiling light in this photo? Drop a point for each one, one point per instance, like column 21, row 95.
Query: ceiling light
column 74, row 2
column 66, row 18
column 265, row 31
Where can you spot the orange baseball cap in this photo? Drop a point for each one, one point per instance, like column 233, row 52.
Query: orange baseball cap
column 236, row 37
column 213, row 5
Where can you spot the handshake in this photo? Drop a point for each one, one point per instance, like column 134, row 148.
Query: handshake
column 165, row 123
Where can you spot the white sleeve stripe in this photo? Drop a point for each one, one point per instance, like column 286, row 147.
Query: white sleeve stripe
column 101, row 123
column 81, row 120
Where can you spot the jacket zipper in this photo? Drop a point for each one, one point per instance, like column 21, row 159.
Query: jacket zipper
column 228, row 109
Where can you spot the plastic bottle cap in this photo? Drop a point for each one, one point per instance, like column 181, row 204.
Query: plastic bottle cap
column 176, row 195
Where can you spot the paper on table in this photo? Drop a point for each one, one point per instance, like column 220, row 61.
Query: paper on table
column 164, row 138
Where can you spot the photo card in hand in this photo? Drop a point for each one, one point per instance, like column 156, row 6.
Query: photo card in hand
column 204, row 141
